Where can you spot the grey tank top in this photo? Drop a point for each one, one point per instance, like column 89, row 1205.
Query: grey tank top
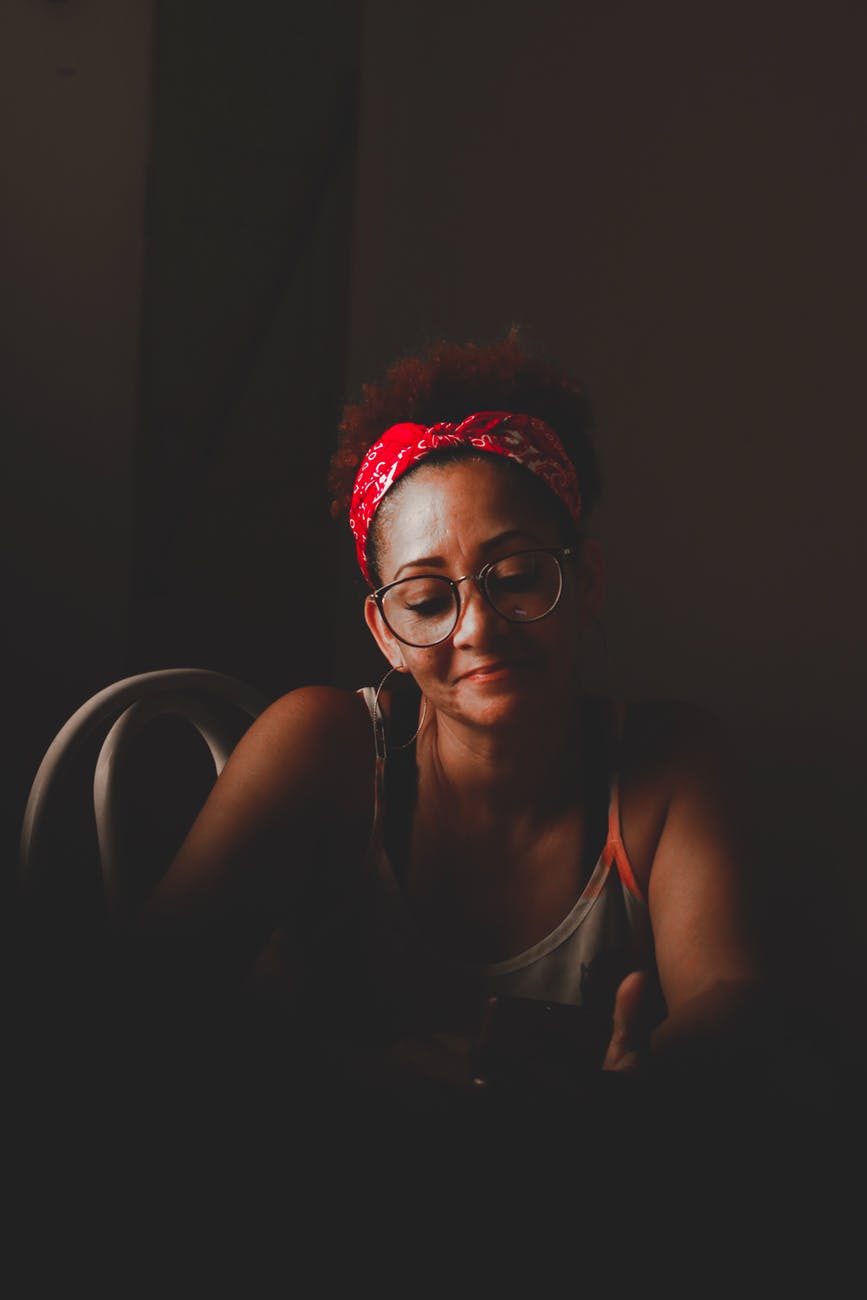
column 390, row 979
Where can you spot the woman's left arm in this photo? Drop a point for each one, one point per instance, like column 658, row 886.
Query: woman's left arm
column 699, row 896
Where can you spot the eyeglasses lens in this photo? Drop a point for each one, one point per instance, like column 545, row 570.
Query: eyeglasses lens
column 422, row 610
column 521, row 588
column 524, row 587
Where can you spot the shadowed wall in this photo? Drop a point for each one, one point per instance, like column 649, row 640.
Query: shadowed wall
column 177, row 210
column 670, row 200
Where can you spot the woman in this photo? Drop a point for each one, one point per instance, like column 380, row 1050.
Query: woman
column 476, row 827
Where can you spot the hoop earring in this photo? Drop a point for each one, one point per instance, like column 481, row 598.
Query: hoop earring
column 415, row 735
column 380, row 722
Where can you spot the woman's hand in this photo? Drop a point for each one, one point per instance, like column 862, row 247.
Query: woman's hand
column 629, row 1045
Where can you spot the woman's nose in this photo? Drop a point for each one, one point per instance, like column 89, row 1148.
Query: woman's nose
column 476, row 618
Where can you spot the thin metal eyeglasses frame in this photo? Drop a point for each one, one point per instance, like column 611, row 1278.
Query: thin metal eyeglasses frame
column 480, row 579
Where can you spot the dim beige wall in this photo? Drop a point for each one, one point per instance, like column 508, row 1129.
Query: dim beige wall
column 73, row 143
column 671, row 200
column 74, row 92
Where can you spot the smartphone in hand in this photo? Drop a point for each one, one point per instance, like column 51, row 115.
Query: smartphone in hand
column 528, row 1043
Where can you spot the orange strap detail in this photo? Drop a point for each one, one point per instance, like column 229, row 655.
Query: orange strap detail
column 615, row 843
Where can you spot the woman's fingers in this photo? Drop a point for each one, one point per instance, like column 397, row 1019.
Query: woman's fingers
column 630, row 1030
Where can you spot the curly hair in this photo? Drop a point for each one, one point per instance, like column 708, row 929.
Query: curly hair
column 449, row 381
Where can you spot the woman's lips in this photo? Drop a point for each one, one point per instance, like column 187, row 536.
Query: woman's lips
column 490, row 672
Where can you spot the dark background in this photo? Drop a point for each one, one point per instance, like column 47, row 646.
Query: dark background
column 219, row 219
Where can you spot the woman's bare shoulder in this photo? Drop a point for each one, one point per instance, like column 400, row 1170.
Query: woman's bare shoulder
column 331, row 710
column 675, row 757
column 313, row 739
column 302, row 772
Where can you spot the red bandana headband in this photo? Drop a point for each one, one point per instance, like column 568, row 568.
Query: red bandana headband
column 520, row 437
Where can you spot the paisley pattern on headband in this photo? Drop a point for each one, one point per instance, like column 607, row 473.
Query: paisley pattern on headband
column 523, row 438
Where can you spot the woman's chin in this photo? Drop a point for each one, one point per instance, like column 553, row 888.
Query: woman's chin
column 499, row 699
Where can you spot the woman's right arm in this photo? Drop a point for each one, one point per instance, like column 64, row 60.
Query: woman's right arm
column 289, row 813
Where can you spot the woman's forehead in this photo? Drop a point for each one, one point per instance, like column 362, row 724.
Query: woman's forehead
column 464, row 504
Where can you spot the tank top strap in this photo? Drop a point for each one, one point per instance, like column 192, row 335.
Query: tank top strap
column 370, row 696
column 615, row 849
column 377, row 717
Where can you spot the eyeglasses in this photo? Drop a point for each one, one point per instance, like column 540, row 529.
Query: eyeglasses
column 422, row 611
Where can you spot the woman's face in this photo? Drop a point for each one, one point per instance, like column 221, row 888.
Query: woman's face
column 452, row 520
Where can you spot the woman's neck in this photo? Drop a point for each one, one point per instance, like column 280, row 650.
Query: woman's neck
column 502, row 776
column 496, row 857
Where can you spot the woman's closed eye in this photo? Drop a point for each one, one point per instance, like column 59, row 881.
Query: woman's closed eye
column 523, row 578
column 425, row 599
column 432, row 607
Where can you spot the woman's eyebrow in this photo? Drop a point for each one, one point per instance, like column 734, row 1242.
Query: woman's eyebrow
column 427, row 561
column 438, row 562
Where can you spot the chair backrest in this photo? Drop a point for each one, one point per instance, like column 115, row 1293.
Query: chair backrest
column 126, row 706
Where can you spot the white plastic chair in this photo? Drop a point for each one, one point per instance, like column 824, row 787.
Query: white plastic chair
column 195, row 694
